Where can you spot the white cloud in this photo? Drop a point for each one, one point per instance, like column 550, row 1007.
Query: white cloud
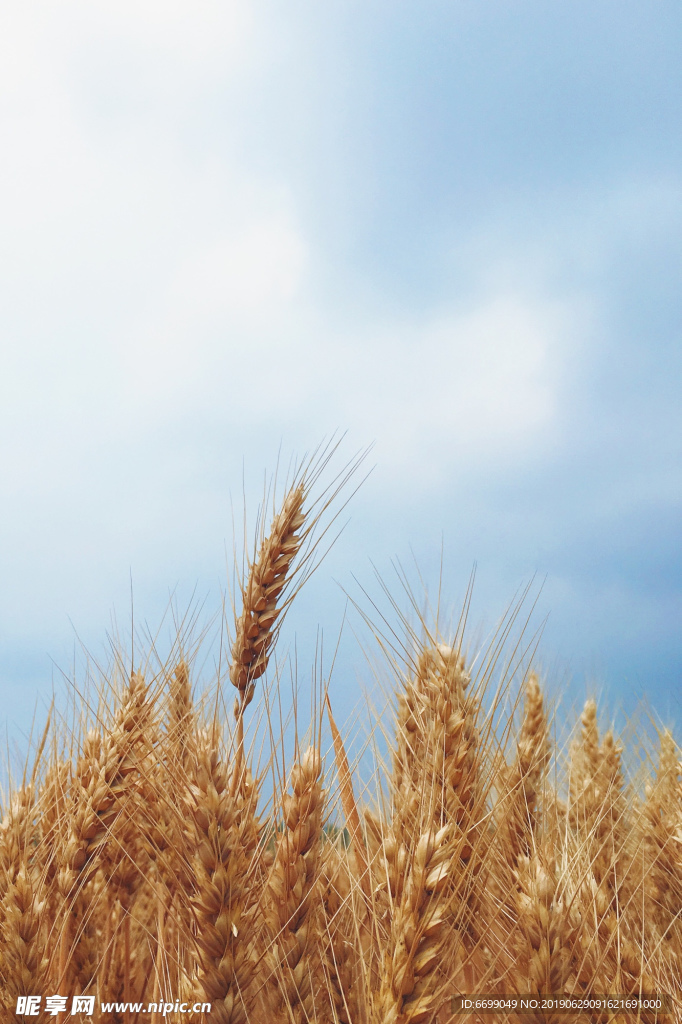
column 154, row 290
column 145, row 278
column 204, row 317
column 457, row 387
column 206, row 29
column 127, row 259
column 199, row 39
column 245, row 275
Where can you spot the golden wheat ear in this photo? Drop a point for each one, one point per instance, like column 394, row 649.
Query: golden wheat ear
column 267, row 587
column 605, row 839
column 224, row 836
column 427, row 896
column 661, row 826
column 290, row 907
column 350, row 809
column 517, row 814
column 181, row 725
column 525, row 777
column 23, row 961
column 265, row 583
column 547, row 932
column 106, row 776
column 339, row 946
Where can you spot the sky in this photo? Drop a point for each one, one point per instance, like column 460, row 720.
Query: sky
column 450, row 231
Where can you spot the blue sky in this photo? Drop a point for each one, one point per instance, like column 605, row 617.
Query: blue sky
column 452, row 230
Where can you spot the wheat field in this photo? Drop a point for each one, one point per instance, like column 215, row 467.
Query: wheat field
column 164, row 848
